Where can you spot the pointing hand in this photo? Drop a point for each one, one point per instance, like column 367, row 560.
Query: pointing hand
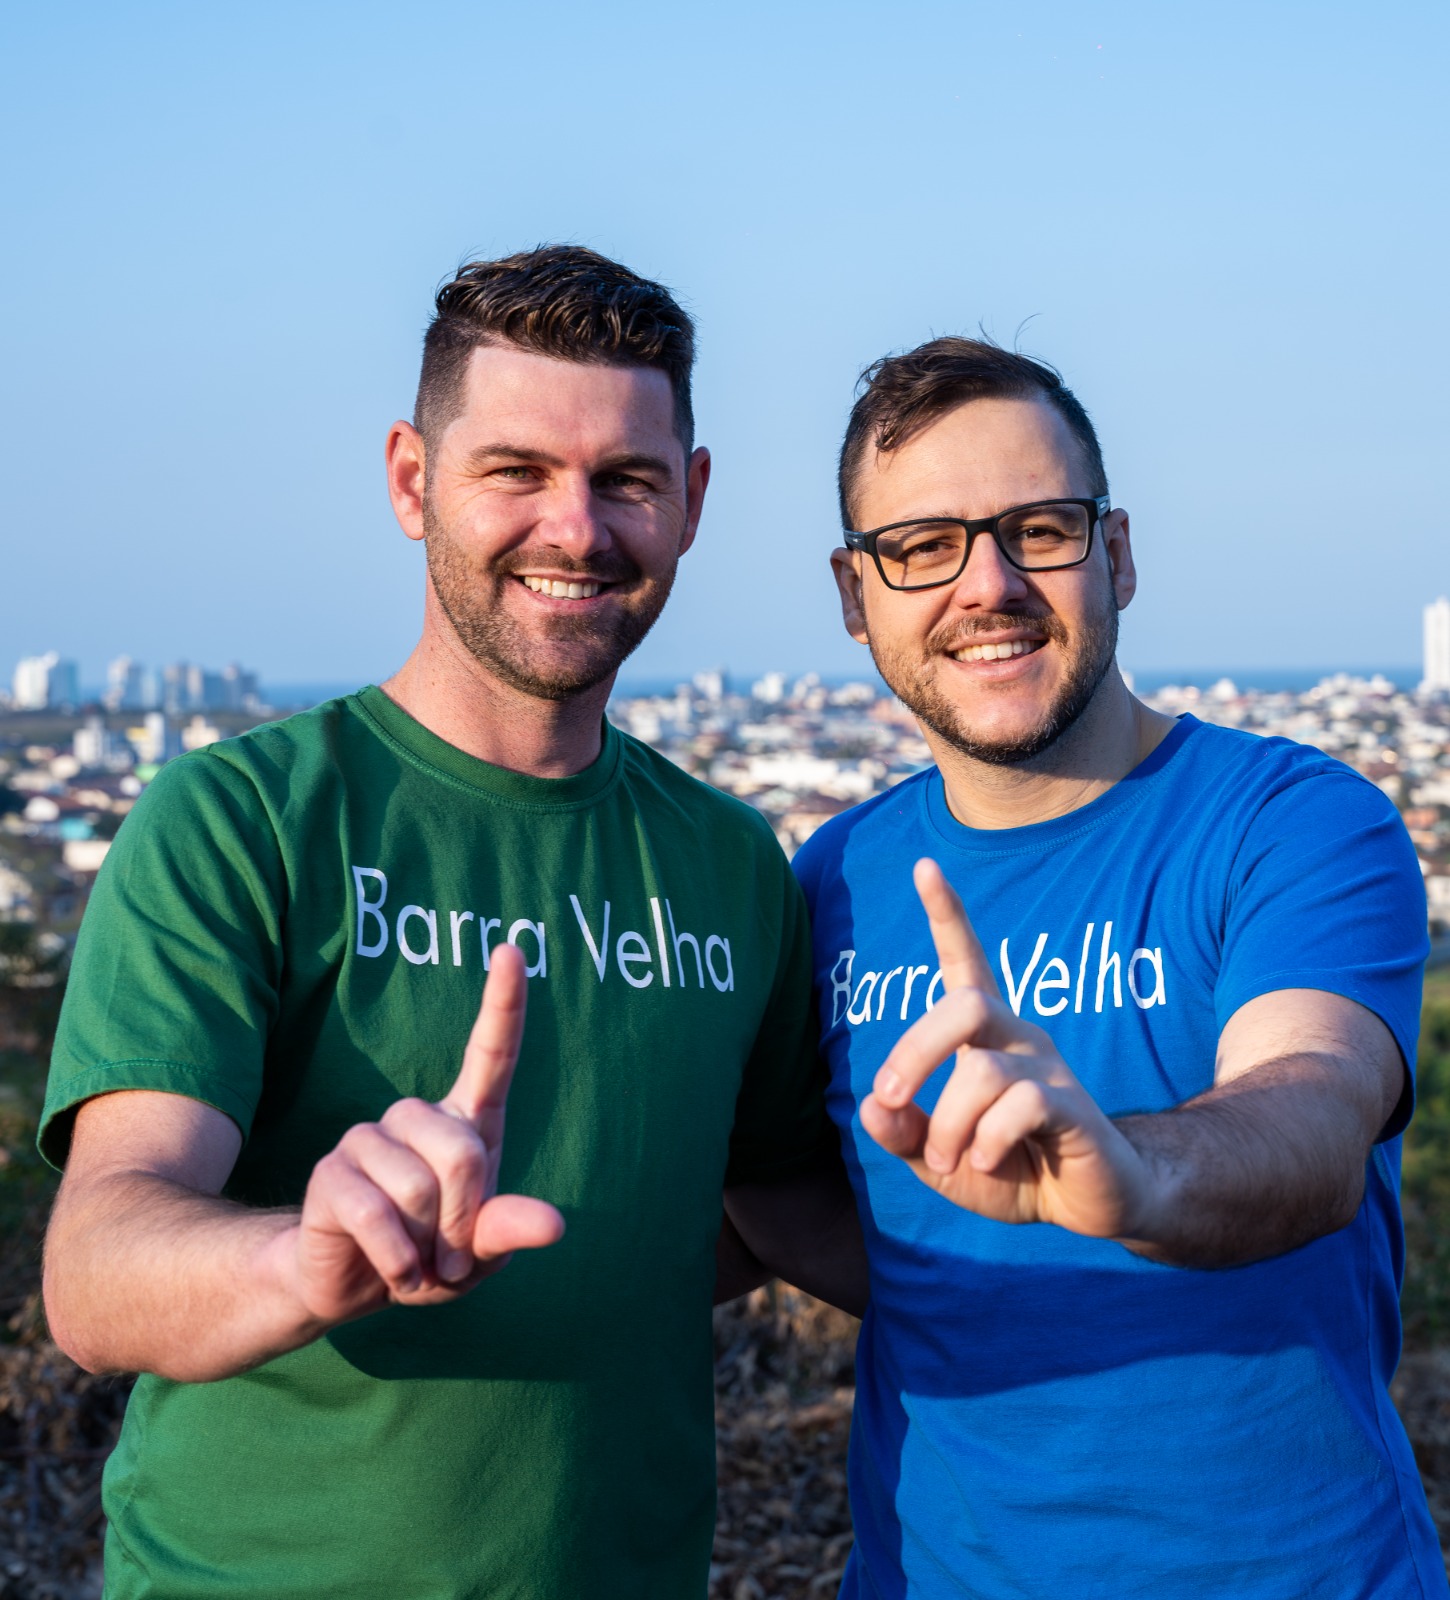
column 406, row 1209
column 1014, row 1135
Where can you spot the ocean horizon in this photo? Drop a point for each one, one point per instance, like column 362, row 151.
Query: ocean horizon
column 1269, row 680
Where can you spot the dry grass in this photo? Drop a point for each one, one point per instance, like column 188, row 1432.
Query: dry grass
column 784, row 1376
column 57, row 1425
column 783, row 1413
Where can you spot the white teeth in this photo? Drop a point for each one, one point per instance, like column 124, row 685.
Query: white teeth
column 996, row 652
column 560, row 589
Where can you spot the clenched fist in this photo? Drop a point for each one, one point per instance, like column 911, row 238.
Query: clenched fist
column 406, row 1210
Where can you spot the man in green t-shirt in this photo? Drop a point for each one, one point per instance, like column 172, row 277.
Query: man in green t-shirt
column 287, row 1191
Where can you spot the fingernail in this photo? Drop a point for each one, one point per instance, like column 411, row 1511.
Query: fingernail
column 888, row 1085
column 936, row 1160
column 456, row 1265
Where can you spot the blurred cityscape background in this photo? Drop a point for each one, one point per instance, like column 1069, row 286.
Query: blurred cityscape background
column 799, row 749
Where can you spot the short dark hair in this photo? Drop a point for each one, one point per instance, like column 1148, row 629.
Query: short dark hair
column 904, row 394
column 560, row 300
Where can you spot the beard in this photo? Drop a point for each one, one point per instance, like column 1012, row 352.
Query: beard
column 558, row 656
column 1090, row 653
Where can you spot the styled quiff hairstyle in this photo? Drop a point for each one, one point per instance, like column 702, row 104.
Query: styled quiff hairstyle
column 560, row 300
column 903, row 395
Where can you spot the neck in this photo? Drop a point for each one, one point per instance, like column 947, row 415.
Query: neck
column 1115, row 732
column 455, row 696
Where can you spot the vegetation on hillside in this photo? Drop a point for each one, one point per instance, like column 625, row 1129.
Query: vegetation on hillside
column 1425, row 1186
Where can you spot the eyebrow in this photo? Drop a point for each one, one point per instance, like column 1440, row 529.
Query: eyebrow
column 488, row 455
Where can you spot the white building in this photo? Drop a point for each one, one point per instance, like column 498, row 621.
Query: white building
column 129, row 686
column 43, row 683
column 185, row 686
column 157, row 740
column 17, row 898
column 95, row 746
column 1437, row 645
column 198, row 733
column 85, row 855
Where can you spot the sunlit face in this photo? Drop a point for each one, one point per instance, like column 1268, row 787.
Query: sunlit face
column 557, row 505
column 942, row 650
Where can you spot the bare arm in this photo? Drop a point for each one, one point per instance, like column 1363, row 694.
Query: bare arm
column 147, row 1269
column 1269, row 1158
column 804, row 1230
column 1274, row 1154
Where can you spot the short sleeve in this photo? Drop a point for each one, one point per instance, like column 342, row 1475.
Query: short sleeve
column 174, row 981
column 781, row 1126
column 1327, row 894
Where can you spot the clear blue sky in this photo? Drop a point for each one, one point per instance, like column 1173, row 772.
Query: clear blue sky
column 224, row 225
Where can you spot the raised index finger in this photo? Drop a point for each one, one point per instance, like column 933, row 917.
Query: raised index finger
column 963, row 961
column 482, row 1084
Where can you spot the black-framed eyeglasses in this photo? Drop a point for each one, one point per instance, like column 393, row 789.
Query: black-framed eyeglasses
column 928, row 551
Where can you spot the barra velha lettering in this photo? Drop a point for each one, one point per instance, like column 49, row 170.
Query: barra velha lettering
column 1092, row 978
column 468, row 936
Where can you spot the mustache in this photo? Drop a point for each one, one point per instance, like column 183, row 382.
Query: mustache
column 960, row 632
column 611, row 566
column 608, row 567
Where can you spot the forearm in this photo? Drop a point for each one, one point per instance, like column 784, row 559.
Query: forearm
column 145, row 1275
column 1251, row 1169
column 737, row 1268
column 806, row 1231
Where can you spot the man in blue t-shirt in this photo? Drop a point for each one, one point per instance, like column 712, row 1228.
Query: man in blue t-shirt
column 1180, row 1041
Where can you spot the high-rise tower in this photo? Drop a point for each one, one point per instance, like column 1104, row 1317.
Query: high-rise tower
column 1437, row 645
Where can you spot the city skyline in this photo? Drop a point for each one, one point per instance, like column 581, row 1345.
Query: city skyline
column 183, row 686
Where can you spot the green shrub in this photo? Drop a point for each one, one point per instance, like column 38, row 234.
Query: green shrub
column 1426, row 1187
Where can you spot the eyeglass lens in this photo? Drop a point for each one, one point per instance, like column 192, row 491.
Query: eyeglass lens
column 1032, row 537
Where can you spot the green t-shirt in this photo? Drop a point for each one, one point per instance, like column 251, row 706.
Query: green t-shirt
column 293, row 927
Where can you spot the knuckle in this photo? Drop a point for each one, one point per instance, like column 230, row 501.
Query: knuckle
column 415, row 1191
column 1032, row 1094
column 405, row 1111
column 330, row 1168
column 970, row 1007
column 359, row 1137
column 366, row 1211
column 983, row 1066
column 462, row 1167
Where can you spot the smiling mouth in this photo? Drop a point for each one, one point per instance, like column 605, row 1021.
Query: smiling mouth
column 561, row 588
column 998, row 652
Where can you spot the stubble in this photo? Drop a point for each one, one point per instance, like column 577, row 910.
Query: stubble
column 1090, row 653
column 561, row 655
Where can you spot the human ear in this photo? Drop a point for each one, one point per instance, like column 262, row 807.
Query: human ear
column 1119, row 549
column 406, row 457
column 697, row 480
column 846, row 565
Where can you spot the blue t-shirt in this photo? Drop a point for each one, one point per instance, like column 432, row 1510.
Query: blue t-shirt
column 1040, row 1414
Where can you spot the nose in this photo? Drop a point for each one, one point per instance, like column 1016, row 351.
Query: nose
column 988, row 580
column 572, row 519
